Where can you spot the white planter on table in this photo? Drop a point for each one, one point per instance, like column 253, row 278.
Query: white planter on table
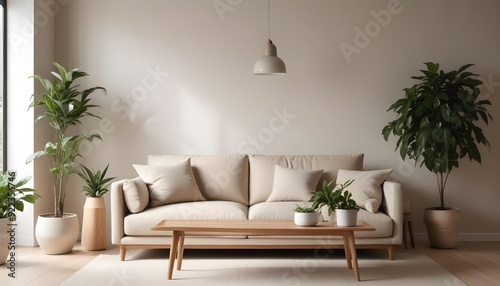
column 346, row 217
column 306, row 219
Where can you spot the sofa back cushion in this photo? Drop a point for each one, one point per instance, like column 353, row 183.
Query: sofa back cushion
column 219, row 177
column 262, row 169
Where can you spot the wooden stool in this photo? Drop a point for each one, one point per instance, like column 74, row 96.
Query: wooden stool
column 408, row 219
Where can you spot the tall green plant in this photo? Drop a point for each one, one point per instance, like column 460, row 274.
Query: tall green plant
column 64, row 106
column 436, row 121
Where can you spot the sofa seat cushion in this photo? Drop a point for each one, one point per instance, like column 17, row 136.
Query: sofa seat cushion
column 274, row 210
column 382, row 223
column 141, row 223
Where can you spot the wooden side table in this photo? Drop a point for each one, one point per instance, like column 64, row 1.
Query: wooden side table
column 407, row 220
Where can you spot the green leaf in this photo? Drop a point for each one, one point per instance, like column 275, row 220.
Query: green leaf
column 464, row 67
column 31, row 198
column 432, row 67
column 35, row 156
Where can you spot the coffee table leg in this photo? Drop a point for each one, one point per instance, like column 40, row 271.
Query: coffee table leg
column 347, row 251
column 173, row 252
column 352, row 246
column 180, row 251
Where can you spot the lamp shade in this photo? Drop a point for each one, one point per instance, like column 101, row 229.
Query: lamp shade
column 270, row 63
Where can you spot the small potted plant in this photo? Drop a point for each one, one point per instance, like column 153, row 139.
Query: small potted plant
column 346, row 208
column 325, row 197
column 94, row 210
column 305, row 216
column 12, row 198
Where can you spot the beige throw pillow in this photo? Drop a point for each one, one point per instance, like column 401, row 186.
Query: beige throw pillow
column 366, row 189
column 293, row 185
column 136, row 195
column 168, row 184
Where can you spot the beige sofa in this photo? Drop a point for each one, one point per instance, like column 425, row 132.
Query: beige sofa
column 238, row 187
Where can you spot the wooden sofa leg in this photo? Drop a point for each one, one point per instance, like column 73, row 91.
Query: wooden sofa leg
column 123, row 251
column 390, row 251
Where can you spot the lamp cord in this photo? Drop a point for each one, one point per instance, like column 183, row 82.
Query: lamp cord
column 269, row 19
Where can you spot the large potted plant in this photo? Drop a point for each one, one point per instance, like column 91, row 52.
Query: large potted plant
column 64, row 105
column 437, row 125
column 12, row 198
column 94, row 210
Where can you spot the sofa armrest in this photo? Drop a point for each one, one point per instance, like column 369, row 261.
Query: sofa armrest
column 118, row 212
column 393, row 207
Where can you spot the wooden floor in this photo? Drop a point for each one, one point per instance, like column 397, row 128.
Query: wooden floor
column 475, row 263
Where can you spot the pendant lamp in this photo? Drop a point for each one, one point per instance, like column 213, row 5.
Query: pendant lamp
column 270, row 63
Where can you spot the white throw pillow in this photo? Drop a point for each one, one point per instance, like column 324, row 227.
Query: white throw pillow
column 293, row 185
column 168, row 184
column 366, row 189
column 136, row 195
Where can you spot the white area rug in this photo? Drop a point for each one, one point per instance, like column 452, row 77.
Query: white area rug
column 406, row 269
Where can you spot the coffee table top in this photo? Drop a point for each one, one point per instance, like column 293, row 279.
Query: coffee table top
column 259, row 227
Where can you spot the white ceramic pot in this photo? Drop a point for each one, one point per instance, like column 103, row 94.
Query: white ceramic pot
column 306, row 219
column 327, row 217
column 57, row 235
column 4, row 240
column 331, row 217
column 346, row 217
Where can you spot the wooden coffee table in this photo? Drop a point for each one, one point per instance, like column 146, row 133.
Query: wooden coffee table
column 259, row 227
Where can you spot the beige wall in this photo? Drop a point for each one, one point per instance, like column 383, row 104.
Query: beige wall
column 44, row 54
column 179, row 80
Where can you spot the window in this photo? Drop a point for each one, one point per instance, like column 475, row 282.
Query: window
column 3, row 77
